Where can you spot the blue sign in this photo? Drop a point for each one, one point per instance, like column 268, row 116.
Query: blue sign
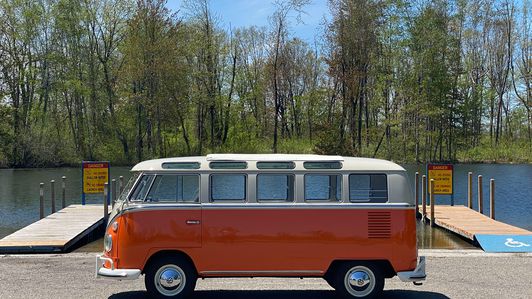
column 505, row 243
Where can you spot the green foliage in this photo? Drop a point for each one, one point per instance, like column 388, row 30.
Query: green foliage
column 507, row 152
column 125, row 81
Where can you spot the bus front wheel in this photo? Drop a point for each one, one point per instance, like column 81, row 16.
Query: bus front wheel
column 170, row 277
column 359, row 280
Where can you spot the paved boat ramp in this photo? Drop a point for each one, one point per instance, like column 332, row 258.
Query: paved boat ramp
column 490, row 234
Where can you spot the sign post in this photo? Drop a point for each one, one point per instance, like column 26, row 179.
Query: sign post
column 94, row 175
column 443, row 179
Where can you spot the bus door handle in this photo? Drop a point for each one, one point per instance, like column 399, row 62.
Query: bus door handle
column 193, row 222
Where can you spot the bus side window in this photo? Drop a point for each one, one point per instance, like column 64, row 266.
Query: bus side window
column 323, row 187
column 228, row 187
column 141, row 188
column 368, row 188
column 275, row 188
column 174, row 188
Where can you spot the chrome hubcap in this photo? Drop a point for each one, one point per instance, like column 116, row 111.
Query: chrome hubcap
column 170, row 280
column 358, row 278
column 359, row 281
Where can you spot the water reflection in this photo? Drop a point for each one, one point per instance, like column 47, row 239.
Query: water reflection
column 437, row 238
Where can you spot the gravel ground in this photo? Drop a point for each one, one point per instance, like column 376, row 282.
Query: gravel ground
column 450, row 274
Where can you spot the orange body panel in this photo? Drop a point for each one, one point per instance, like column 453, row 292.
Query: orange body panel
column 275, row 240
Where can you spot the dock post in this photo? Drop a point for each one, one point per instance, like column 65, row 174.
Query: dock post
column 432, row 203
column 121, row 184
column 470, row 190
column 113, row 188
column 492, row 199
column 479, row 190
column 105, row 206
column 416, row 193
column 52, row 186
column 424, row 197
column 41, row 200
column 63, row 192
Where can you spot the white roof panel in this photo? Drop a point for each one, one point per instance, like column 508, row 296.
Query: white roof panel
column 349, row 163
column 271, row 157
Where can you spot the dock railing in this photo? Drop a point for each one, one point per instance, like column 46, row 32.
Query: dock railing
column 116, row 188
column 427, row 186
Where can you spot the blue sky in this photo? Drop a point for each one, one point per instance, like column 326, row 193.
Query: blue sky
column 240, row 13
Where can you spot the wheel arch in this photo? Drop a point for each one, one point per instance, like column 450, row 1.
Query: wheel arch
column 382, row 264
column 168, row 253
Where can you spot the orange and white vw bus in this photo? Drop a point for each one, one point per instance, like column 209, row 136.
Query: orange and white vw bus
column 348, row 220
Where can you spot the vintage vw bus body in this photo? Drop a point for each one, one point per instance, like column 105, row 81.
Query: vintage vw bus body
column 348, row 220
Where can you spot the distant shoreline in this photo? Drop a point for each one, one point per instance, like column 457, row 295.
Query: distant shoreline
column 74, row 165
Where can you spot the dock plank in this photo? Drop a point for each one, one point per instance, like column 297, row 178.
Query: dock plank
column 467, row 222
column 56, row 232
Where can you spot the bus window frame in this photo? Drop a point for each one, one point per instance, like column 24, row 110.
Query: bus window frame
column 266, row 201
column 349, row 200
column 198, row 201
column 322, row 201
column 246, row 188
column 135, row 186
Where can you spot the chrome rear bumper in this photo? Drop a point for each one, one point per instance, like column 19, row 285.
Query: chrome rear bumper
column 120, row 274
column 414, row 276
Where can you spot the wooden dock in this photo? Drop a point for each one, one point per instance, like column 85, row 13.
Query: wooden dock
column 468, row 223
column 56, row 233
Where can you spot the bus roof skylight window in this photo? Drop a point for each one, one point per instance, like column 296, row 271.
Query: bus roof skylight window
column 276, row 165
column 228, row 165
column 181, row 165
column 323, row 165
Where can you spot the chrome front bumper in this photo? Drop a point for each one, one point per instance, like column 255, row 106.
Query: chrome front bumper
column 414, row 276
column 120, row 274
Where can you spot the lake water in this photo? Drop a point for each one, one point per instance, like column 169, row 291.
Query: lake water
column 513, row 190
column 19, row 196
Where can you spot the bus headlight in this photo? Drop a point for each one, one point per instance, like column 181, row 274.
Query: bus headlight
column 114, row 226
column 108, row 242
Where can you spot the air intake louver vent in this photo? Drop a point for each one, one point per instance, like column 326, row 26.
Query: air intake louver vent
column 379, row 225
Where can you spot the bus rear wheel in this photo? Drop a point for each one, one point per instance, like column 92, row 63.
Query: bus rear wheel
column 170, row 277
column 359, row 280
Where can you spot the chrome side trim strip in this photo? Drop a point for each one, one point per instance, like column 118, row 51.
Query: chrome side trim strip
column 261, row 272
column 152, row 207
column 266, row 206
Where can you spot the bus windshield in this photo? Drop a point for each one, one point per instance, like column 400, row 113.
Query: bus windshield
column 128, row 186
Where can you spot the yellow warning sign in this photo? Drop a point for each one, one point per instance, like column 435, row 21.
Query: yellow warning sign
column 443, row 178
column 95, row 175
